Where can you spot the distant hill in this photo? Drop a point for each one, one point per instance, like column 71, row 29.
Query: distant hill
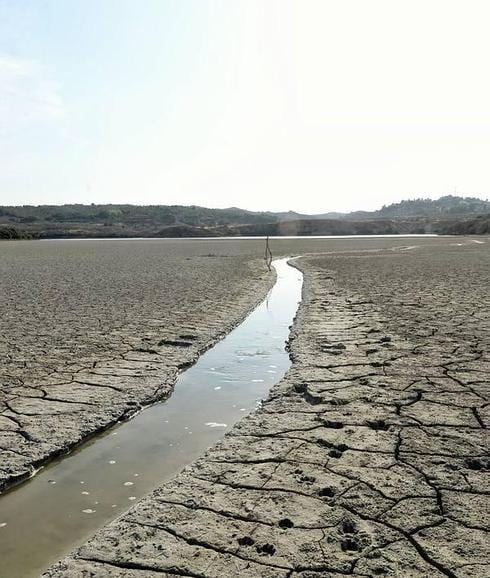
column 479, row 225
column 448, row 206
column 131, row 215
column 448, row 214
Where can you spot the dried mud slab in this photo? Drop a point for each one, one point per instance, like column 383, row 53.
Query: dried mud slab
column 367, row 459
column 91, row 331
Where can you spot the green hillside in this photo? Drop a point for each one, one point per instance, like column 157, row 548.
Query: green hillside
column 449, row 214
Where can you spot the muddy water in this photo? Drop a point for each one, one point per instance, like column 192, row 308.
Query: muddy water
column 66, row 502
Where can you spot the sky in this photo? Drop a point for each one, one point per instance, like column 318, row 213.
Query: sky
column 305, row 105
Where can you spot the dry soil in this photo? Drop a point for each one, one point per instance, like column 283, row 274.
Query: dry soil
column 368, row 459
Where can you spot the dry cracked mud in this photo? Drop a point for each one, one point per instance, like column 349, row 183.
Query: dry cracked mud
column 91, row 331
column 370, row 458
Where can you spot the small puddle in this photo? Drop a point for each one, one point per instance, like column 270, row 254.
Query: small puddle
column 66, row 502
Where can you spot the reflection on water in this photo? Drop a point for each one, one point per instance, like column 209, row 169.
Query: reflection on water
column 46, row 517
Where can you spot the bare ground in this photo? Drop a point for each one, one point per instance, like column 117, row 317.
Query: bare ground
column 91, row 331
column 368, row 459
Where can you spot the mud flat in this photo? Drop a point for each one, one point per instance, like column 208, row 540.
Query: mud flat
column 367, row 459
column 91, row 331
column 72, row 497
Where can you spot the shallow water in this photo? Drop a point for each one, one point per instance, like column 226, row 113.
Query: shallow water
column 241, row 238
column 66, row 502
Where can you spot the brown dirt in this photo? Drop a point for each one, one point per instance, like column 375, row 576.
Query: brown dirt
column 94, row 330
column 367, row 459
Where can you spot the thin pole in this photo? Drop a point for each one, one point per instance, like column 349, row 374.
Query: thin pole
column 268, row 254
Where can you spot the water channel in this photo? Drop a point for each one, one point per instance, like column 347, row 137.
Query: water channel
column 67, row 501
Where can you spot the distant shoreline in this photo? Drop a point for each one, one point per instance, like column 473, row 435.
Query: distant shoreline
column 231, row 237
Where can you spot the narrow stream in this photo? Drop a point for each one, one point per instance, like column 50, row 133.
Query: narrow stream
column 66, row 502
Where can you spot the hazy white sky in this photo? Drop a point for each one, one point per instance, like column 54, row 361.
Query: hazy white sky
column 310, row 105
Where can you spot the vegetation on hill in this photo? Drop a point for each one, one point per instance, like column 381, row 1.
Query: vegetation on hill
column 131, row 215
column 447, row 215
column 442, row 207
column 447, row 206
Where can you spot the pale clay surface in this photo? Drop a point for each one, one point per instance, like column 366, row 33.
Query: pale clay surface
column 91, row 331
column 367, row 459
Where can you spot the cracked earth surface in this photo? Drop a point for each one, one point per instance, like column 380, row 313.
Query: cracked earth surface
column 92, row 331
column 368, row 459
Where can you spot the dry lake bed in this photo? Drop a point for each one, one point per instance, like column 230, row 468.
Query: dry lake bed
column 368, row 458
